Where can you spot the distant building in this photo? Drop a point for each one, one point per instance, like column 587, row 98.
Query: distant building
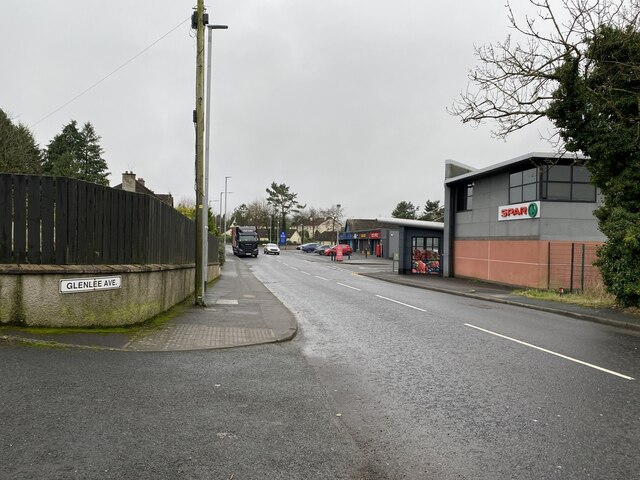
column 415, row 244
column 370, row 235
column 132, row 184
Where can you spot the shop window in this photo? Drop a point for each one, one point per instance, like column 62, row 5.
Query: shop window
column 464, row 197
column 563, row 183
column 567, row 183
column 523, row 186
column 583, row 192
column 425, row 255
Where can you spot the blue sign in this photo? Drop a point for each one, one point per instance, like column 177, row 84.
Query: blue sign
column 283, row 238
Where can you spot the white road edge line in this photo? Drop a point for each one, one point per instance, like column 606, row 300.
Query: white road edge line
column 400, row 303
column 348, row 286
column 322, row 278
column 552, row 353
column 306, row 273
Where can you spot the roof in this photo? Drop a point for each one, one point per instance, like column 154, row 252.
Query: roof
column 360, row 224
column 510, row 164
column 406, row 222
column 142, row 188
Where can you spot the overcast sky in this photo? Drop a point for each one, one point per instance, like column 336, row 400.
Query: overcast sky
column 343, row 100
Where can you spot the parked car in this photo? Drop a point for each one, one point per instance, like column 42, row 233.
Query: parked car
column 346, row 250
column 320, row 249
column 271, row 248
column 309, row 247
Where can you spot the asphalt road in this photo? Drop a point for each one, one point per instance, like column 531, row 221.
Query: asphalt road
column 439, row 386
column 249, row 413
column 382, row 382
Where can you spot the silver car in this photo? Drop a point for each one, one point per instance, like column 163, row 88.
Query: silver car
column 271, row 248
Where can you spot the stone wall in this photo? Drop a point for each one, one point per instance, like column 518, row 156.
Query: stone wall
column 30, row 295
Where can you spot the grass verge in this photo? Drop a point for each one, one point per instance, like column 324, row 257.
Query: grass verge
column 154, row 323
column 591, row 299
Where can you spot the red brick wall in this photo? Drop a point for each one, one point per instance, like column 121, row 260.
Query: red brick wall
column 526, row 263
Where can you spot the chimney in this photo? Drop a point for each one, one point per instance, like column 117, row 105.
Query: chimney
column 141, row 181
column 129, row 181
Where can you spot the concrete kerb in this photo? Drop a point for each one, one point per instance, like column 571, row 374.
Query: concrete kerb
column 16, row 339
column 489, row 298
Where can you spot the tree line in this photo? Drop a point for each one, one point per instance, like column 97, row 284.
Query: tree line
column 75, row 152
column 281, row 210
column 431, row 212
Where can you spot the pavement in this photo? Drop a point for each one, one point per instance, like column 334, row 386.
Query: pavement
column 241, row 311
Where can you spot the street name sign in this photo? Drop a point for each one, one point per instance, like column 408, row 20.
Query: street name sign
column 78, row 285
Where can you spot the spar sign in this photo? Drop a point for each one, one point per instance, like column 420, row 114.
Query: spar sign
column 520, row 211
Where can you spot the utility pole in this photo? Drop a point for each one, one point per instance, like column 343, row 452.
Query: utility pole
column 197, row 22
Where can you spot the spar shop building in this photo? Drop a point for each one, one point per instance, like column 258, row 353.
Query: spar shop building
column 526, row 222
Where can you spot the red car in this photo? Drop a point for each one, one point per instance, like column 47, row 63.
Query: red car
column 346, row 250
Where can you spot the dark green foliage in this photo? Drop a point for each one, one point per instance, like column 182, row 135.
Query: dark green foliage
column 405, row 210
column 619, row 258
column 188, row 209
column 596, row 109
column 284, row 201
column 77, row 154
column 18, row 150
column 433, row 211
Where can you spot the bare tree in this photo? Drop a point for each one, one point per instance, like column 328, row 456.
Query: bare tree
column 515, row 79
column 335, row 214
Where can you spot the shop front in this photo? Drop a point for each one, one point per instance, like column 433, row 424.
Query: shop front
column 366, row 243
column 418, row 245
column 371, row 237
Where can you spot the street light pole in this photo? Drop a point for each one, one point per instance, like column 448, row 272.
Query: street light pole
column 225, row 211
column 337, row 230
column 220, row 216
column 205, row 210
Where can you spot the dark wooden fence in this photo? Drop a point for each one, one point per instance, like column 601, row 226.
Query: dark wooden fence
column 63, row 221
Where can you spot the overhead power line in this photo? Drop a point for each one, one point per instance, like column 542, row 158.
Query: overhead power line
column 112, row 73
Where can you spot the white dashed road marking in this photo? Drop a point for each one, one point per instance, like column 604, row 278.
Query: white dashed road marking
column 552, row 353
column 400, row 303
